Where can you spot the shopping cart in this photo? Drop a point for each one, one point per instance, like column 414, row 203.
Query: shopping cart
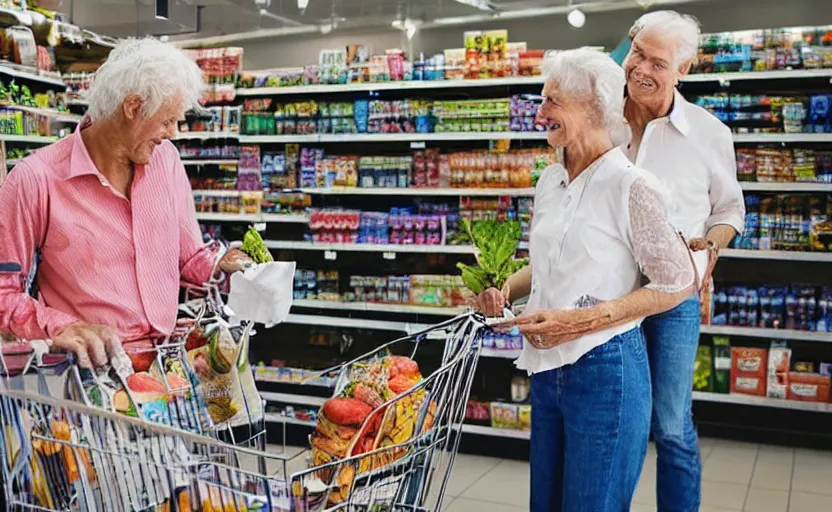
column 65, row 455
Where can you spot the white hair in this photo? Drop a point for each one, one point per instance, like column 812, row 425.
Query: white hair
column 157, row 72
column 683, row 27
column 589, row 73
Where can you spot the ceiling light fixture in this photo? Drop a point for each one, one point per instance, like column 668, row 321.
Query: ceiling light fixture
column 303, row 4
column 408, row 26
column 576, row 18
column 326, row 28
column 483, row 5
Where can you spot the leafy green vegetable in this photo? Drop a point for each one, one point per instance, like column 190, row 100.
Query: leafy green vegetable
column 496, row 242
column 254, row 246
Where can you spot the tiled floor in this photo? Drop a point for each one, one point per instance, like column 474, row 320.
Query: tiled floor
column 737, row 477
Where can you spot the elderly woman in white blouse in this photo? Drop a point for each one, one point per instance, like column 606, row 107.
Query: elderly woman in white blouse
column 599, row 225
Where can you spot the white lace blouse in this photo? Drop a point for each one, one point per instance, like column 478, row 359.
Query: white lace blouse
column 592, row 240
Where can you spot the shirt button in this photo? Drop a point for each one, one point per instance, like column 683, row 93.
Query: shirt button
column 568, row 199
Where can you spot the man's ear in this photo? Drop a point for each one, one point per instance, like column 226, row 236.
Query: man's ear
column 131, row 106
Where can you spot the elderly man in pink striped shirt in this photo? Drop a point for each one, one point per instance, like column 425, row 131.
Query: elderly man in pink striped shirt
column 110, row 211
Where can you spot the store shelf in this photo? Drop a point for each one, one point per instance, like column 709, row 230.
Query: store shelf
column 422, row 192
column 12, row 162
column 760, row 75
column 77, row 103
column 423, row 249
column 750, row 186
column 311, row 384
column 33, row 139
column 273, row 417
column 391, row 86
column 390, row 137
column 825, row 257
column 782, row 137
column 205, row 135
column 500, row 354
column 257, row 217
column 56, row 115
column 377, row 307
column 291, row 398
column 496, row 432
column 761, row 401
column 356, row 323
column 33, row 75
column 774, row 334
column 209, row 162
column 219, row 193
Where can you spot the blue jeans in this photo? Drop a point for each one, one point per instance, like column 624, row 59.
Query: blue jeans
column 672, row 338
column 590, row 426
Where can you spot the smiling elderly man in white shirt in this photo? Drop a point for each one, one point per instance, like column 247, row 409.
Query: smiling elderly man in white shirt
column 692, row 153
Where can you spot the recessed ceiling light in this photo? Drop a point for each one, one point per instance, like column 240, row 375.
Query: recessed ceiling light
column 482, row 5
column 576, row 18
column 303, row 4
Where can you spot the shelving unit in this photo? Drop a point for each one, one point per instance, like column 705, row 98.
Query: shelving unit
column 205, row 135
column 31, row 139
column 379, row 307
column 389, row 137
column 209, row 162
column 421, row 249
column 259, row 217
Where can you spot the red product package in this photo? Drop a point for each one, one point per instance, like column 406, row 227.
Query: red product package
column 748, row 370
column 808, row 387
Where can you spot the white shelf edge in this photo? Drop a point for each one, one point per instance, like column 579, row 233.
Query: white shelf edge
column 187, row 162
column 423, row 249
column 782, row 137
column 413, row 191
column 356, row 323
column 759, row 75
column 776, row 334
column 290, row 398
column 389, row 137
column 217, row 193
column 825, row 257
column 205, row 135
column 33, row 75
column 795, row 186
column 495, row 432
column 57, row 115
column 761, row 401
column 388, row 86
column 266, row 381
column 500, row 354
column 276, row 218
column 379, row 307
column 39, row 139
column 273, row 417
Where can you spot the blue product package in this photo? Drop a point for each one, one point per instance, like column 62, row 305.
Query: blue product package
column 361, row 109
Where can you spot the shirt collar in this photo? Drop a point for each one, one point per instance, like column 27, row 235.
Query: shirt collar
column 80, row 161
column 677, row 114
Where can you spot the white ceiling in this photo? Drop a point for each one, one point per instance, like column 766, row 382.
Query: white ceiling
column 122, row 18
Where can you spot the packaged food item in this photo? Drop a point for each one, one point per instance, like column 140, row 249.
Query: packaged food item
column 779, row 357
column 703, row 374
column 722, row 364
column 808, row 387
column 524, row 417
column 804, row 367
column 748, row 370
column 504, row 415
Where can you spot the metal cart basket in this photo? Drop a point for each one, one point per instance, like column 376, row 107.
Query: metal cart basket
column 64, row 455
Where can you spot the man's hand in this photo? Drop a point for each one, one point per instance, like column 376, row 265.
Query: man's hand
column 234, row 261
column 93, row 345
column 700, row 244
column 491, row 302
column 703, row 244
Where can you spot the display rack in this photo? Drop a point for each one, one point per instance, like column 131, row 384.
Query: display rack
column 356, row 316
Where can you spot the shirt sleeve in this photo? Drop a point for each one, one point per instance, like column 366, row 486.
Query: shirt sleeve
column 727, row 202
column 196, row 259
column 659, row 250
column 22, row 228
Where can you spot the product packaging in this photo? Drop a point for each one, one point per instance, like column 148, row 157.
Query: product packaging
column 808, row 387
column 703, row 374
column 779, row 357
column 722, row 364
column 748, row 370
column 524, row 416
column 504, row 415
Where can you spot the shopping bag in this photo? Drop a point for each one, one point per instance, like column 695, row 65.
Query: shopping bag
column 263, row 293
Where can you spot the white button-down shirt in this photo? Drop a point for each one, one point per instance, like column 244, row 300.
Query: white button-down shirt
column 591, row 240
column 692, row 154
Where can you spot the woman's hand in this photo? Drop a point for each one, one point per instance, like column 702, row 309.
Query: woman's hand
column 491, row 302
column 234, row 261
column 551, row 327
column 703, row 244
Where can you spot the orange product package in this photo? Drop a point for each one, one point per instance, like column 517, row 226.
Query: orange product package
column 748, row 370
column 808, row 387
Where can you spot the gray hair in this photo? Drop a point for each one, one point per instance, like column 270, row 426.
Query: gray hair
column 684, row 27
column 155, row 71
column 588, row 72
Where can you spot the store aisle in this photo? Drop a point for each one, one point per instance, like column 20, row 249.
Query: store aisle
column 738, row 477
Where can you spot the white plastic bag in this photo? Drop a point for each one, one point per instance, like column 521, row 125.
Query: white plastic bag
column 263, row 293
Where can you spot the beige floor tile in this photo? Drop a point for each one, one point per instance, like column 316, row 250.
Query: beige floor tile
column 507, row 484
column 806, row 502
column 734, row 451
column 724, row 495
column 773, row 469
column 812, row 473
column 469, row 505
column 727, row 469
column 646, row 490
column 717, row 509
column 764, row 500
column 642, row 508
column 467, row 470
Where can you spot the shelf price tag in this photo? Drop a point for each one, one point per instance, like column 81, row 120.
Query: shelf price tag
column 389, row 255
column 259, row 227
column 330, row 255
column 417, row 145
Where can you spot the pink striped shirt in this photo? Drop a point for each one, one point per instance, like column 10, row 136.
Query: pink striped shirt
column 106, row 259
